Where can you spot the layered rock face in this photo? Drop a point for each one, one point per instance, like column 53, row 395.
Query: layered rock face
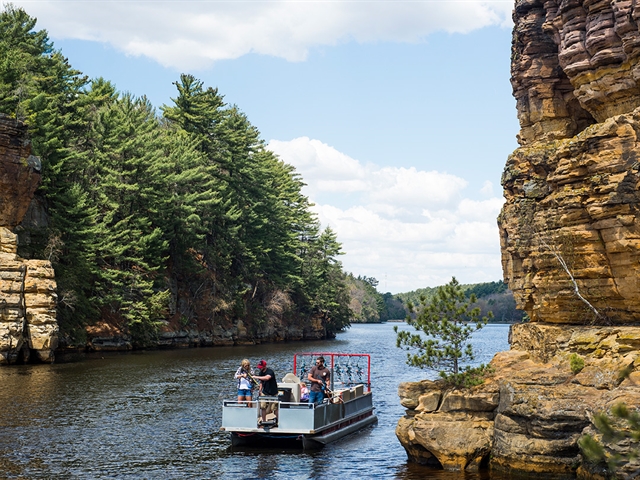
column 571, row 189
column 27, row 287
column 570, row 242
column 445, row 428
column 528, row 416
column 19, row 172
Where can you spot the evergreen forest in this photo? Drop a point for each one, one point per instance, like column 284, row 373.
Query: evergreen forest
column 171, row 218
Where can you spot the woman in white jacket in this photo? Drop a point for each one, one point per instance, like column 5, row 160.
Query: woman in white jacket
column 245, row 382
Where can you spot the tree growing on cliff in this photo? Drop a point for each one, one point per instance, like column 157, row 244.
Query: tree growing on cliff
column 448, row 319
column 616, row 441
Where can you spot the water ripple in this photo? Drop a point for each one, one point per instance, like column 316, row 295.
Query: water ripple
column 157, row 415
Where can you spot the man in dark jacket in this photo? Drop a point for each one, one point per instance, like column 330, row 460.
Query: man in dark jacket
column 268, row 388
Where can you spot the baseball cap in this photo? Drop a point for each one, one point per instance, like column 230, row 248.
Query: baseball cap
column 262, row 364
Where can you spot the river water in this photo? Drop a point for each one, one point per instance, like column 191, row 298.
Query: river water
column 157, row 414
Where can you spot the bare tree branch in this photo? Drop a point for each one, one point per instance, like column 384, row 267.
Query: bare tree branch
column 576, row 289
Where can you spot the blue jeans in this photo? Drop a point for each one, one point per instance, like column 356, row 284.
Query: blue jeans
column 316, row 397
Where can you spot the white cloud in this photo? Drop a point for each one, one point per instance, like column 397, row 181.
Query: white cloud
column 332, row 170
column 408, row 186
column 487, row 188
column 194, row 34
column 484, row 210
column 406, row 227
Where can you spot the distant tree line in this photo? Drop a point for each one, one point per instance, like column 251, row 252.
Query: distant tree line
column 366, row 302
column 180, row 215
column 369, row 305
column 490, row 296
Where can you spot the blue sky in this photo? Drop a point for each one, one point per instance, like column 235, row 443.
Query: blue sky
column 398, row 115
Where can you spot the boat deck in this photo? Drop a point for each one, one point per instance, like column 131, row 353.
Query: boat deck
column 297, row 417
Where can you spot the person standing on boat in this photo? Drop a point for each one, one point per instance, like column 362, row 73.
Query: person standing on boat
column 245, row 383
column 319, row 378
column 268, row 388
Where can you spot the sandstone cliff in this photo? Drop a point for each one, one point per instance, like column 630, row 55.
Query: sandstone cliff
column 571, row 189
column 27, row 287
column 528, row 416
column 569, row 228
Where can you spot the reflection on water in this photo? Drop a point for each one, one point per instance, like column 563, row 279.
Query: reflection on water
column 157, row 415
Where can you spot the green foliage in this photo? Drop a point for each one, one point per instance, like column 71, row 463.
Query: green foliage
column 260, row 234
column 394, row 309
column 326, row 289
column 366, row 302
column 617, row 442
column 415, row 296
column 369, row 305
column 468, row 376
column 26, row 62
column 38, row 86
column 184, row 216
column 485, row 289
column 490, row 297
column 448, row 320
column 576, row 362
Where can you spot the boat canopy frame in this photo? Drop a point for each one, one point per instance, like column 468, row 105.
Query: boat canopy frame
column 346, row 368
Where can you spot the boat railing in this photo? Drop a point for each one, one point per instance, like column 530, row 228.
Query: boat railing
column 236, row 403
column 293, row 416
column 341, row 395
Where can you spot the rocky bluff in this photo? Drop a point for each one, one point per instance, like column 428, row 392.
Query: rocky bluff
column 569, row 229
column 27, row 287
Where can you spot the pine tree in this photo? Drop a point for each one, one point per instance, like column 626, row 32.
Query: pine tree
column 39, row 87
column 325, row 283
column 616, row 441
column 132, row 250
column 448, row 319
column 136, row 204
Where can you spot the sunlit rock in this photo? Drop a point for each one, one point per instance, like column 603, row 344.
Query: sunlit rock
column 570, row 244
column 445, row 427
column 410, row 392
column 28, row 299
column 571, row 189
column 428, row 402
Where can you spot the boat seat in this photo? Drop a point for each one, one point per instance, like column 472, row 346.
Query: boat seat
column 289, row 391
column 290, row 378
column 344, row 395
column 357, row 391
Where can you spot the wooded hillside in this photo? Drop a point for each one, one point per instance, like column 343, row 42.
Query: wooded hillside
column 157, row 218
column 491, row 296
